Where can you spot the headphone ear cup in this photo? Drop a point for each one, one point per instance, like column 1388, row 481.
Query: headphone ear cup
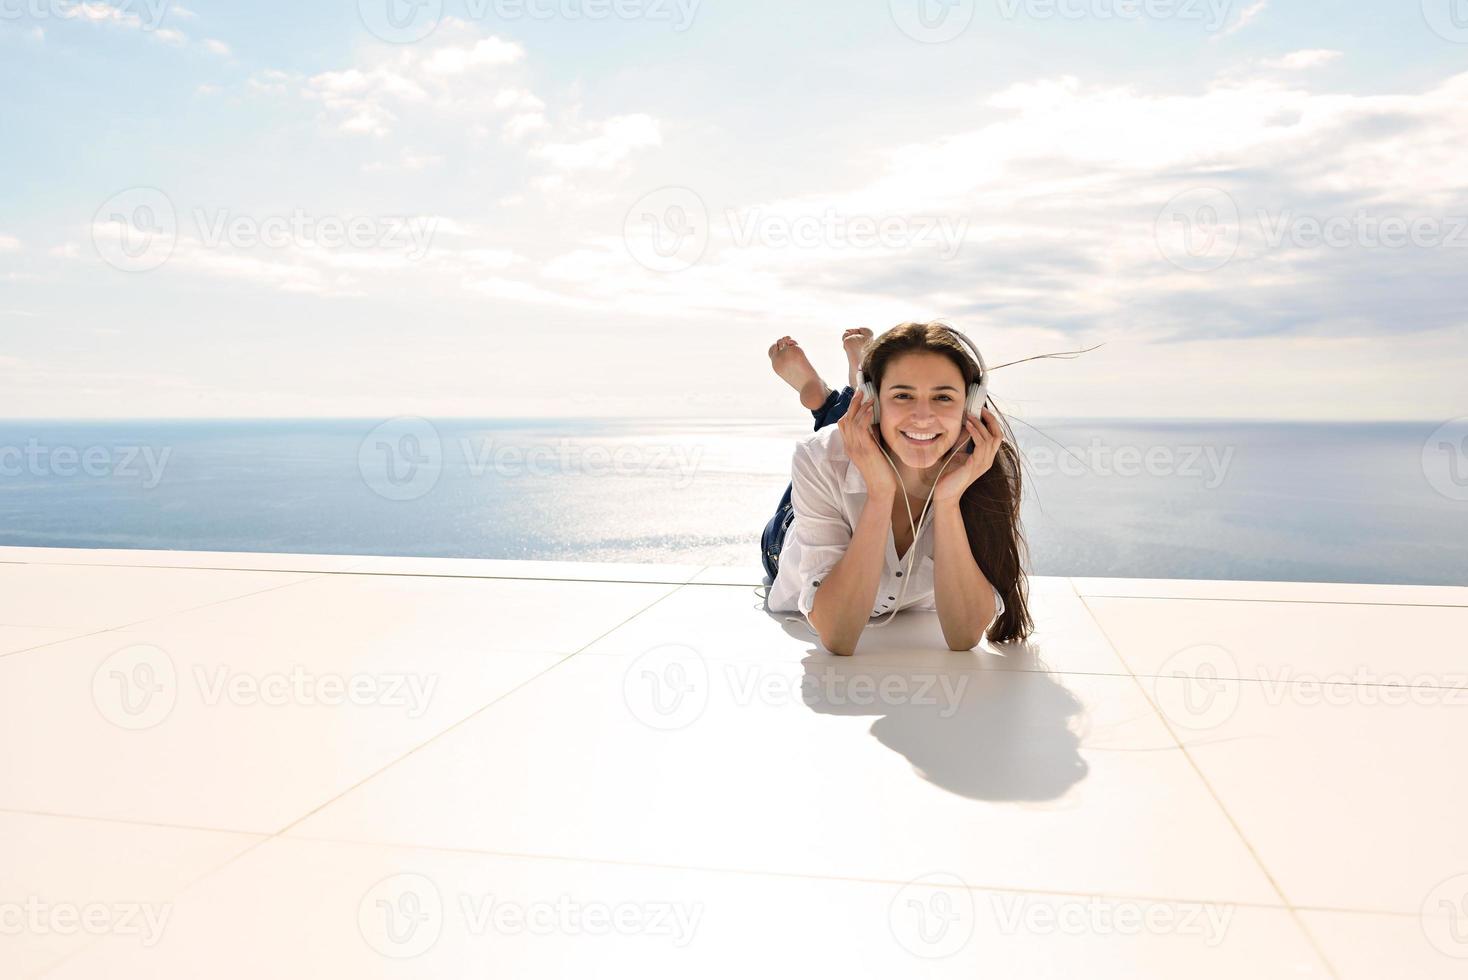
column 978, row 395
column 869, row 393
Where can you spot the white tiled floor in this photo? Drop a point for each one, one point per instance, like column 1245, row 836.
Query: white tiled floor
column 343, row 766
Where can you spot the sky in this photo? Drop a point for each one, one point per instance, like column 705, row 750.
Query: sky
column 570, row 208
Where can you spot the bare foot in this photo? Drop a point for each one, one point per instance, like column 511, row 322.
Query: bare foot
column 791, row 364
column 852, row 341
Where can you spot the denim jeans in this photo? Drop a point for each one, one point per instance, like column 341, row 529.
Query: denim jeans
column 773, row 538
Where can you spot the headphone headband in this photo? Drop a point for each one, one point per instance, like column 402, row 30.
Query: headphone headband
column 973, row 348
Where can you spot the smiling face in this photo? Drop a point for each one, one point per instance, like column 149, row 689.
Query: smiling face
column 922, row 399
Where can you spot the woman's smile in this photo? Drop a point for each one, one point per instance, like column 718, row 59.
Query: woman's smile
column 920, row 439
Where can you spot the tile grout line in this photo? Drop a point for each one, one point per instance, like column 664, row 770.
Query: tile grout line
column 315, row 572
column 1208, row 786
column 353, row 570
column 97, row 940
column 263, row 837
column 174, row 612
column 472, row 715
column 767, row 873
column 1287, row 602
column 308, row 577
column 132, row 822
column 677, row 587
column 266, row 837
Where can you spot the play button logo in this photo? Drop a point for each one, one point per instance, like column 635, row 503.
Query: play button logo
column 401, row 21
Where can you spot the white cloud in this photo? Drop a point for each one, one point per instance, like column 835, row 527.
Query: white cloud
column 98, row 13
column 519, row 126
column 453, row 76
column 519, row 99
column 453, row 93
column 1302, row 60
column 616, row 138
column 1059, row 199
column 409, row 162
column 1246, row 17
column 70, row 250
column 451, row 61
column 125, row 16
column 423, row 257
column 218, row 47
column 528, row 113
column 9, row 243
column 271, row 82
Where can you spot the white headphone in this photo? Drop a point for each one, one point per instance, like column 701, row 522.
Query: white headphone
column 978, row 397
column 978, row 392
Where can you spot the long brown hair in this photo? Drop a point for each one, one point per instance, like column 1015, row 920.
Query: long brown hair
column 990, row 505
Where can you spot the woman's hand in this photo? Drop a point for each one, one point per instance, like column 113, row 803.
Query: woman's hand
column 957, row 478
column 860, row 440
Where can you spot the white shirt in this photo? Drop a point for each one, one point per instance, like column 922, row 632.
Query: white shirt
column 828, row 494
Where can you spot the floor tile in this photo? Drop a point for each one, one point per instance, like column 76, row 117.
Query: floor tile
column 498, row 568
column 1007, row 778
column 750, row 575
column 246, row 560
column 224, row 730
column 310, row 909
column 1350, row 794
column 1365, row 946
column 16, row 638
column 1411, row 595
column 355, row 611
column 1067, row 637
column 65, row 882
column 86, row 597
column 1281, row 641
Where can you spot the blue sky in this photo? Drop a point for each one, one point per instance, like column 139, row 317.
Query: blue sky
column 579, row 213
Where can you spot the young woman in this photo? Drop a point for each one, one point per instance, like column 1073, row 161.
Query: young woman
column 847, row 539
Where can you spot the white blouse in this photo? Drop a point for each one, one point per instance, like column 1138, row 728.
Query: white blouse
column 828, row 494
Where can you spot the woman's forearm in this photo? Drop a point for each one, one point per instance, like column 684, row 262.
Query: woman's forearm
column 840, row 610
column 964, row 597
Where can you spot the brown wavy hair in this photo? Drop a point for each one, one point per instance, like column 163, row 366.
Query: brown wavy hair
column 990, row 505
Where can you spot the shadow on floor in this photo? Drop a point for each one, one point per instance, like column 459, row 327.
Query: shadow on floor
column 982, row 726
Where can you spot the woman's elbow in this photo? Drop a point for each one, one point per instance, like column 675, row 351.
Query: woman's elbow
column 840, row 646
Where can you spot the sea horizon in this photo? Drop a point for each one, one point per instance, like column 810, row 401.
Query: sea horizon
column 1217, row 499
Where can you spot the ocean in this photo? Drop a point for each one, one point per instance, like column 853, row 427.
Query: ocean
column 1283, row 501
